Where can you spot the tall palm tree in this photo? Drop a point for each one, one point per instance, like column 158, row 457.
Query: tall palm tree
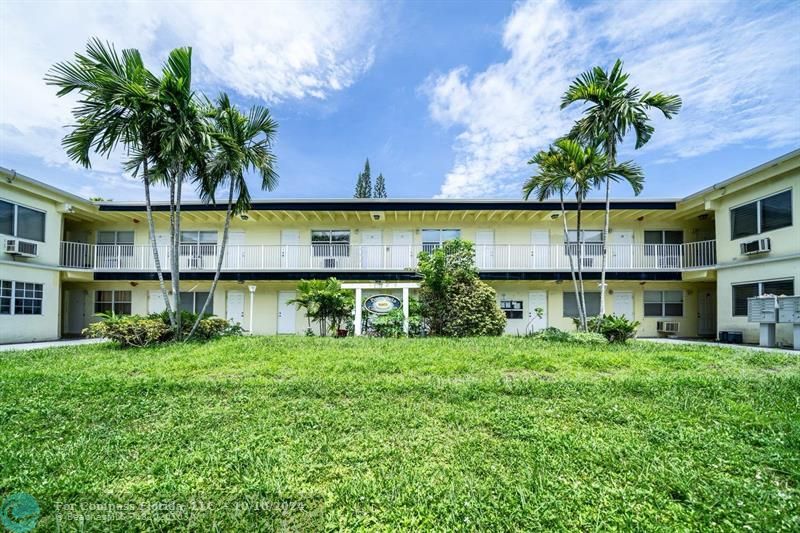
column 118, row 105
column 614, row 109
column 183, row 142
column 241, row 143
column 570, row 167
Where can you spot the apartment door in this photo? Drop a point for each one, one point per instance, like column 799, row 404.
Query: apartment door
column 706, row 314
column 234, row 306
column 286, row 312
column 371, row 249
column 623, row 304
column 76, row 311
column 235, row 253
column 537, row 300
column 290, row 248
column 621, row 252
column 540, row 249
column 402, row 249
column 484, row 248
column 155, row 302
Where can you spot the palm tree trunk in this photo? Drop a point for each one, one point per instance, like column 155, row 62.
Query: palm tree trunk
column 176, row 245
column 569, row 255
column 152, row 229
column 580, row 269
column 220, row 260
column 604, row 259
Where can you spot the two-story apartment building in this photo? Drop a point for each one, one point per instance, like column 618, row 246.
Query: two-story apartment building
column 673, row 263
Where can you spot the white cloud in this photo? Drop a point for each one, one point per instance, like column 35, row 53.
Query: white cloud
column 736, row 68
column 272, row 51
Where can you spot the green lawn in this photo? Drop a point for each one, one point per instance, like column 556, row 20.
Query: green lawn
column 308, row 433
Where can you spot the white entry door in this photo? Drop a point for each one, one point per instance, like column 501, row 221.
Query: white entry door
column 540, row 249
column 537, row 300
column 286, row 312
column 402, row 250
column 235, row 258
column 621, row 249
column 76, row 311
column 706, row 314
column 371, row 249
column 623, row 304
column 290, row 248
column 234, row 307
column 484, row 248
column 155, row 302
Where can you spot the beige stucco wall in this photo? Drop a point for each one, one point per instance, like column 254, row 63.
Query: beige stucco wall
column 29, row 328
column 48, row 250
column 784, row 241
column 764, row 271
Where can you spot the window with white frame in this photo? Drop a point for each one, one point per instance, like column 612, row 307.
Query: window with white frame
column 571, row 305
column 663, row 303
column 592, row 242
column 766, row 214
column 123, row 239
column 434, row 238
column 193, row 302
column 21, row 298
column 20, row 221
column 743, row 291
column 330, row 242
column 114, row 301
column 198, row 243
column 654, row 238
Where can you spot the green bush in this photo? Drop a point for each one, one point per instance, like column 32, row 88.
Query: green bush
column 130, row 330
column 614, row 328
column 454, row 302
column 556, row 335
column 391, row 324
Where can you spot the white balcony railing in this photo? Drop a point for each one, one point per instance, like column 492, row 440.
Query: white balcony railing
column 343, row 257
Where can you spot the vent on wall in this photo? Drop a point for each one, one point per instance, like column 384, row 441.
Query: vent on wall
column 758, row 246
column 22, row 248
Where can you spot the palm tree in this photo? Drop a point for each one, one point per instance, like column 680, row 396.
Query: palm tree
column 183, row 143
column 241, row 143
column 614, row 110
column 569, row 166
column 118, row 105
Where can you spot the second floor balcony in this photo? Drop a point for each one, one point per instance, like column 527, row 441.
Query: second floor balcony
column 370, row 258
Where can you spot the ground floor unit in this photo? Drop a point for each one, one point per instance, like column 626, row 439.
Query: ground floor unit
column 43, row 304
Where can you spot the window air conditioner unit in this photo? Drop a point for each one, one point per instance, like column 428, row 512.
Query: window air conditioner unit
column 758, row 246
column 664, row 326
column 22, row 248
column 329, row 262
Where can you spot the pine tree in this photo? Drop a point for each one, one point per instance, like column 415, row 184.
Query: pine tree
column 367, row 181
column 364, row 183
column 380, row 187
column 359, row 193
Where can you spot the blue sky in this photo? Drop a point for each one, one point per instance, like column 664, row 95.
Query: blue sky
column 445, row 98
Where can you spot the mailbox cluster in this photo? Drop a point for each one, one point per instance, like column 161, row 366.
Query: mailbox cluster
column 771, row 310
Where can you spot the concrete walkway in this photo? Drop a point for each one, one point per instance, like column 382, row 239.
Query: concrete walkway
column 751, row 347
column 47, row 344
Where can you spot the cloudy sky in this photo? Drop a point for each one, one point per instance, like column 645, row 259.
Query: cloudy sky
column 445, row 98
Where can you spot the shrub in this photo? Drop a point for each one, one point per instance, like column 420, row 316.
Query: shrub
column 326, row 303
column 391, row 324
column 614, row 328
column 130, row 330
column 552, row 334
column 454, row 302
column 472, row 310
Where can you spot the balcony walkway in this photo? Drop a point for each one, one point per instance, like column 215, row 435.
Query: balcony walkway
column 370, row 258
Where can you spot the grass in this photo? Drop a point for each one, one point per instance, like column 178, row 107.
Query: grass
column 477, row 434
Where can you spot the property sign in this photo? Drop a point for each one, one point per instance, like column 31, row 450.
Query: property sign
column 380, row 304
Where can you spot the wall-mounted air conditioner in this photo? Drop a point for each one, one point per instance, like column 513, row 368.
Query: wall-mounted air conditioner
column 758, row 246
column 668, row 326
column 22, row 248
